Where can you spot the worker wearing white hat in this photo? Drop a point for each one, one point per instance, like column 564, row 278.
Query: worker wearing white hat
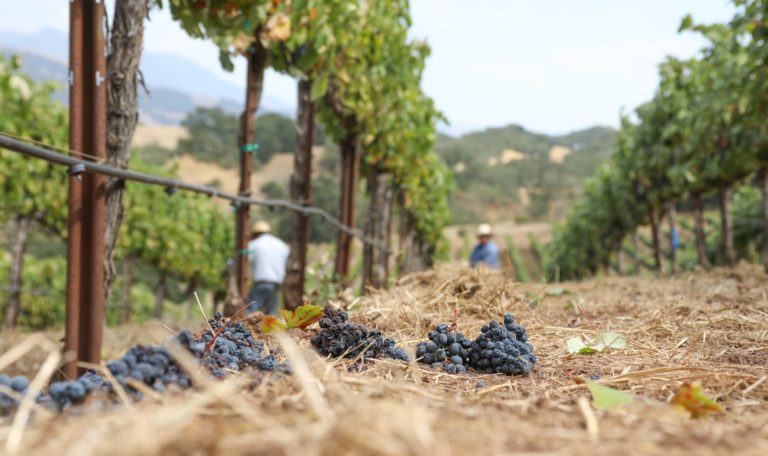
column 485, row 251
column 267, row 256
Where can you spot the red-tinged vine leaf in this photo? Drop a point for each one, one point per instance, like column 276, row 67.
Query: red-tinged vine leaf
column 692, row 398
column 303, row 316
column 605, row 398
column 271, row 324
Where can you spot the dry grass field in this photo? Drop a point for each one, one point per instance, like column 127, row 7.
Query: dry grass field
column 704, row 327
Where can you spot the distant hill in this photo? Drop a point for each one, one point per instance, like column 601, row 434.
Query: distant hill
column 509, row 173
column 176, row 85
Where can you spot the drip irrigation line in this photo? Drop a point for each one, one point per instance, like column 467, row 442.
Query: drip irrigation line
column 77, row 166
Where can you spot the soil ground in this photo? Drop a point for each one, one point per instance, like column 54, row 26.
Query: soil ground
column 706, row 327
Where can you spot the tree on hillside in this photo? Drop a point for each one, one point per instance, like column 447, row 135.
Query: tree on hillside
column 212, row 136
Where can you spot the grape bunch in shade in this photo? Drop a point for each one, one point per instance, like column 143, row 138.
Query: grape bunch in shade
column 502, row 349
column 446, row 349
column 339, row 338
column 230, row 347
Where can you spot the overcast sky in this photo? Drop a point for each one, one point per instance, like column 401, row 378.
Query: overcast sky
column 550, row 65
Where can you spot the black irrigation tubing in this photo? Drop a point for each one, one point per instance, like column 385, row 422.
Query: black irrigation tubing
column 77, row 166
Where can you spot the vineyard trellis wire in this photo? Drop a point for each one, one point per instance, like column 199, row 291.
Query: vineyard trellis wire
column 77, row 166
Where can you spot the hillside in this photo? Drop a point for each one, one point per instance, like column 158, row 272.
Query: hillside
column 169, row 98
column 509, row 173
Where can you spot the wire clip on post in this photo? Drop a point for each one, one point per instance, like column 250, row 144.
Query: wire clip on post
column 76, row 170
column 244, row 252
column 250, row 148
column 235, row 205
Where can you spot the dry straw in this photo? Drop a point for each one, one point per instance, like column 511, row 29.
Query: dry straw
column 709, row 327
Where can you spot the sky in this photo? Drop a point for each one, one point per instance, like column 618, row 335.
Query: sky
column 552, row 66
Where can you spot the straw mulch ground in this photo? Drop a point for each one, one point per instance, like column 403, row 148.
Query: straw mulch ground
column 708, row 327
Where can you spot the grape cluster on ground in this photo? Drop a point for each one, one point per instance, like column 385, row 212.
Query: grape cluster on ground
column 500, row 349
column 229, row 348
column 339, row 338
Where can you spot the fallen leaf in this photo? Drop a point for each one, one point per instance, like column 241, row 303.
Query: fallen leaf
column 271, row 324
column 303, row 316
column 605, row 398
column 576, row 345
column 556, row 291
column 692, row 398
column 610, row 340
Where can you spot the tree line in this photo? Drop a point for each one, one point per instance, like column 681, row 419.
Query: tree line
column 702, row 136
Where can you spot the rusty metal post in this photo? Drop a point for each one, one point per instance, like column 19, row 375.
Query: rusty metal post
column 85, row 219
column 75, row 195
column 93, row 309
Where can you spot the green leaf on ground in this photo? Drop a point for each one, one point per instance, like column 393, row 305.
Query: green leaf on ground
column 605, row 340
column 556, row 291
column 303, row 316
column 610, row 340
column 605, row 398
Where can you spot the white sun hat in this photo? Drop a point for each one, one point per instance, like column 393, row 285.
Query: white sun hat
column 484, row 229
column 261, row 227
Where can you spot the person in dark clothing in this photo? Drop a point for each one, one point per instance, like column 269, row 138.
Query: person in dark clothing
column 485, row 251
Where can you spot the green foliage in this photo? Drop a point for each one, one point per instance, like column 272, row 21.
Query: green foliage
column 703, row 130
column 154, row 154
column 485, row 177
column 28, row 186
column 748, row 225
column 183, row 234
column 325, row 195
column 366, row 78
column 606, row 398
column 213, row 137
column 517, row 261
column 540, row 251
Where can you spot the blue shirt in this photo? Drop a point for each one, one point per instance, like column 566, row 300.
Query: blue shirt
column 675, row 239
column 486, row 253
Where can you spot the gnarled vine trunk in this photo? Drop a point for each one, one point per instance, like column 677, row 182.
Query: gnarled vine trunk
column 620, row 268
column 160, row 296
column 300, row 191
column 126, row 41
column 636, row 248
column 726, row 222
column 378, row 227
column 125, row 294
column 23, row 223
column 415, row 253
column 254, row 85
column 656, row 239
column 701, row 238
column 350, row 166
column 763, row 182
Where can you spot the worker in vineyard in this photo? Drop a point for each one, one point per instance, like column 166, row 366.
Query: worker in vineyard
column 267, row 256
column 485, row 251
